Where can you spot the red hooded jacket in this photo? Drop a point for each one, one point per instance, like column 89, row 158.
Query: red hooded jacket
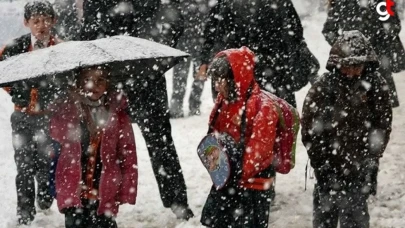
column 261, row 115
column 119, row 177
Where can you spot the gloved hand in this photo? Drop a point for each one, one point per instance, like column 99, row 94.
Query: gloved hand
column 326, row 177
column 20, row 94
column 370, row 167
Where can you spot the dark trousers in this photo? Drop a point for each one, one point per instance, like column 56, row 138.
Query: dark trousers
column 148, row 107
column 350, row 208
column 386, row 73
column 180, row 75
column 236, row 208
column 32, row 157
column 87, row 217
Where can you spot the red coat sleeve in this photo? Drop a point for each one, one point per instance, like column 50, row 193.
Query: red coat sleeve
column 258, row 154
column 129, row 166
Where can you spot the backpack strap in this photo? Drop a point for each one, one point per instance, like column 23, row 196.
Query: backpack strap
column 243, row 118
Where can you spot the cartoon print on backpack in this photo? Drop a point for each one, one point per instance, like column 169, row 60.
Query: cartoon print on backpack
column 215, row 159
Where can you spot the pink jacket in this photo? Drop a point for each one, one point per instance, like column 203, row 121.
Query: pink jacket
column 119, row 177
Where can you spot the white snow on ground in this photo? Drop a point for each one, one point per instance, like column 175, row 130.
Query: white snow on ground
column 293, row 207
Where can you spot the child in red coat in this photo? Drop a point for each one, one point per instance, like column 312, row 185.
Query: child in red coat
column 97, row 166
column 245, row 200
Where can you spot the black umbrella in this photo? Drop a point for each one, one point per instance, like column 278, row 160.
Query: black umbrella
column 128, row 58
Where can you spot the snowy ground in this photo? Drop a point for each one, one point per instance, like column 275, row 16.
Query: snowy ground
column 293, row 207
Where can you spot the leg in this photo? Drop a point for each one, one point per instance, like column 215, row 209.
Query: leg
column 325, row 212
column 43, row 164
column 24, row 149
column 153, row 120
column 273, row 190
column 103, row 221
column 180, row 74
column 353, row 210
column 195, row 95
column 262, row 201
column 75, row 218
column 95, row 220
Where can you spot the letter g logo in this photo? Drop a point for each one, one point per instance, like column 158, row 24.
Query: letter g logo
column 384, row 14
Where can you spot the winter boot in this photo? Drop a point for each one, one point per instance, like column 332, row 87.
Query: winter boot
column 182, row 212
column 176, row 110
column 194, row 112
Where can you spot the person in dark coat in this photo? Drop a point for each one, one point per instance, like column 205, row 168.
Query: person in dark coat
column 346, row 126
column 194, row 13
column 29, row 120
column 245, row 199
column 148, row 103
column 346, row 15
column 272, row 29
column 149, row 19
column 68, row 24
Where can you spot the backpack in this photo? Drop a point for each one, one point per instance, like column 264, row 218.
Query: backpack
column 287, row 131
column 284, row 146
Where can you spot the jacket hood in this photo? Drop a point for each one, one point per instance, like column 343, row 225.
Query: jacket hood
column 242, row 63
column 352, row 48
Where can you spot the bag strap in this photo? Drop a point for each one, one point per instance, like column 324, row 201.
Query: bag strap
column 244, row 119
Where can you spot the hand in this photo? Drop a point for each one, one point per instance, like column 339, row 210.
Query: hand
column 371, row 173
column 202, row 72
column 20, row 95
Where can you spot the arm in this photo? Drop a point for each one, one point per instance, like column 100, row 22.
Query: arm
column 330, row 27
column 91, row 27
column 380, row 129
column 258, row 153
column 79, row 9
column 128, row 161
column 172, row 23
column 291, row 24
column 379, row 133
column 1, row 53
column 314, row 135
column 210, row 33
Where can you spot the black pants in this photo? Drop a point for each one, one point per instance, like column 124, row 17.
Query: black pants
column 32, row 149
column 236, row 208
column 148, row 107
column 180, row 75
column 349, row 207
column 87, row 217
column 386, row 73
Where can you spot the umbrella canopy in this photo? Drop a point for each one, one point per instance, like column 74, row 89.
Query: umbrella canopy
column 127, row 57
